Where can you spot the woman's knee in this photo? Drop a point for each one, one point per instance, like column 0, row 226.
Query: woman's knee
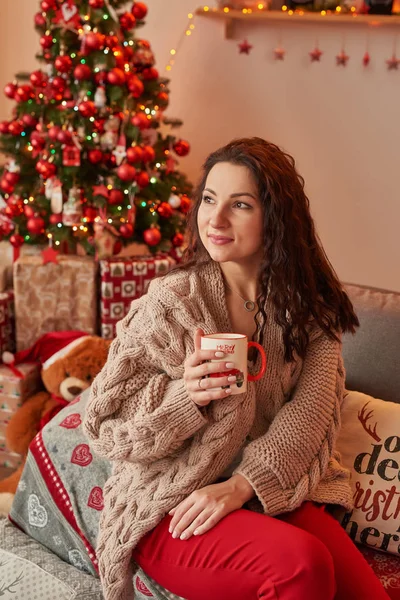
column 317, row 573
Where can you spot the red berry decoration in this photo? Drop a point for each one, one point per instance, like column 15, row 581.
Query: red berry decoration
column 111, row 41
column 148, row 154
column 141, row 121
column 95, row 156
column 10, row 90
column 82, row 73
column 126, row 172
column 15, row 128
column 163, row 100
column 127, row 21
column 46, row 41
column 150, row 73
column 142, row 179
column 165, row 210
column 40, row 20
column 63, row 64
column 126, row 230
column 135, row 86
column 16, row 240
column 115, row 197
column 23, row 93
column 134, row 154
column 116, row 76
column 185, row 204
column 35, row 225
column 152, row 236
column 4, row 125
column 96, row 3
column 139, row 10
column 178, row 240
column 87, row 108
column 181, row 147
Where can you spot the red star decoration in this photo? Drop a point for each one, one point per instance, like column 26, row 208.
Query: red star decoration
column 244, row 47
column 342, row 58
column 50, row 255
column 392, row 63
column 315, row 55
column 366, row 59
column 100, row 190
column 279, row 53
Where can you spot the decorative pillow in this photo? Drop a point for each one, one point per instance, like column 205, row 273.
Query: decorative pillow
column 369, row 442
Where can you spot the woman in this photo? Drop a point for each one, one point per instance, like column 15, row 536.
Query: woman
column 188, row 456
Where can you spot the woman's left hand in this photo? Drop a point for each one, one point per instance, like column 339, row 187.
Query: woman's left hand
column 204, row 508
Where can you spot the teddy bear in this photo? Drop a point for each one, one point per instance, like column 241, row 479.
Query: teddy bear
column 69, row 362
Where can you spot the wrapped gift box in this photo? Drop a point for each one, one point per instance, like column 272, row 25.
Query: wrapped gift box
column 54, row 297
column 8, row 459
column 123, row 280
column 7, row 322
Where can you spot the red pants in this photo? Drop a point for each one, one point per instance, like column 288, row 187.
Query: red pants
column 303, row 555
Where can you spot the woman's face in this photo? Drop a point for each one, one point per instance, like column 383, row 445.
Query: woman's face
column 230, row 218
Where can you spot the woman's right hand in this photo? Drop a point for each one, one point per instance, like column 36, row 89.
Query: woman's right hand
column 203, row 389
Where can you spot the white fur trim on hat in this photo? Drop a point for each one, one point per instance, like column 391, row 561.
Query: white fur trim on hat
column 63, row 352
column 8, row 358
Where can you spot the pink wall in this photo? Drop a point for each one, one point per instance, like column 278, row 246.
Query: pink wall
column 341, row 124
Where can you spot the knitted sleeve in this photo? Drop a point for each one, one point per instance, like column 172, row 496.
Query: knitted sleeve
column 138, row 409
column 287, row 463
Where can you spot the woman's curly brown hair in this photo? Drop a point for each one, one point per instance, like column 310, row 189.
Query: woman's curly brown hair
column 295, row 272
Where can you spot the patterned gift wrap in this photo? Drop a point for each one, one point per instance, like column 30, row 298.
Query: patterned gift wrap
column 124, row 280
column 7, row 322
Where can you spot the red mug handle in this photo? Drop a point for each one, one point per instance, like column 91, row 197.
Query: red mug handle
column 263, row 362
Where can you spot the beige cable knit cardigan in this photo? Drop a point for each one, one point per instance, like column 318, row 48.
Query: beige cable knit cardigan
column 164, row 447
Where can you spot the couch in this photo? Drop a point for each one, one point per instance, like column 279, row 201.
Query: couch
column 372, row 365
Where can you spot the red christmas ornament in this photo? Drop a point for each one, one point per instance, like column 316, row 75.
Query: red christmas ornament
column 148, row 154
column 141, row 121
column 142, row 179
column 63, row 64
column 6, row 187
column 96, row 3
column 64, row 137
column 37, row 140
column 150, row 73
column 116, row 76
column 29, row 120
column 163, row 100
column 35, row 225
column 109, row 160
column 279, row 53
column 15, row 128
column 47, row 5
column 178, row 240
column 4, row 125
column 98, row 125
column 53, row 132
column 90, row 213
column 54, row 219
column 94, row 42
column 87, row 108
column 38, row 79
column 185, row 204
column 111, row 41
column 135, row 86
column 315, row 54
column 244, row 47
column 82, row 73
column 127, row 21
column 10, row 90
column 342, row 58
column 392, row 63
column 16, row 240
column 39, row 20
column 126, row 230
column 28, row 211
column 45, row 169
column 126, row 172
column 100, row 77
column 95, row 156
column 152, row 236
column 366, row 59
column 181, row 147
column 24, row 93
column 46, row 41
column 115, row 197
column 134, row 154
column 165, row 210
column 12, row 178
column 58, row 84
column 139, row 10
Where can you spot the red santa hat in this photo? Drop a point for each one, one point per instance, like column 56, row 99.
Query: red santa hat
column 49, row 348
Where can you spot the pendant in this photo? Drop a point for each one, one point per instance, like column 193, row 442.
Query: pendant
column 249, row 306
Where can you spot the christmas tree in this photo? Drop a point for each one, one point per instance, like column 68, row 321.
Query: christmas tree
column 85, row 153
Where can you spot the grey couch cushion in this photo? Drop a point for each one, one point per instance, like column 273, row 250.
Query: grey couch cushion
column 372, row 355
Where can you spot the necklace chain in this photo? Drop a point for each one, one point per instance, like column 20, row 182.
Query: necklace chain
column 248, row 305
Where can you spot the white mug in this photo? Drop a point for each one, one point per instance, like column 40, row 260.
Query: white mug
column 235, row 347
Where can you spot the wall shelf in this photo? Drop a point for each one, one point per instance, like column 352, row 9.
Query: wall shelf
column 277, row 16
